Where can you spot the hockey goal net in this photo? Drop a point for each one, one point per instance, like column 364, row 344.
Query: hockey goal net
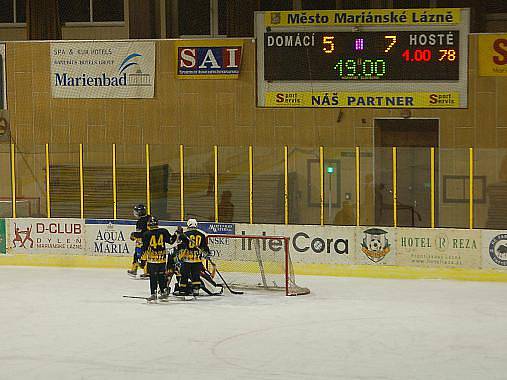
column 255, row 262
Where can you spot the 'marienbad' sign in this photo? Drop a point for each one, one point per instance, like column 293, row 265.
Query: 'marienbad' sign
column 105, row 69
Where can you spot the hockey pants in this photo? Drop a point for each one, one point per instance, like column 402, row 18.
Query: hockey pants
column 158, row 278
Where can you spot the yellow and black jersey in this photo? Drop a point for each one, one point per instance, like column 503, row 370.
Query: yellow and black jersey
column 153, row 244
column 141, row 227
column 193, row 246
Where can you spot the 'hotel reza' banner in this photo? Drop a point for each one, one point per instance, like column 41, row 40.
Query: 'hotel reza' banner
column 363, row 99
column 208, row 59
column 103, row 69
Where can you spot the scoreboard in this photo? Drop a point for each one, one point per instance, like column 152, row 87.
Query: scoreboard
column 300, row 65
column 381, row 56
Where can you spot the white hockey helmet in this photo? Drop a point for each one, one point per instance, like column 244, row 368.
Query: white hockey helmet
column 192, row 223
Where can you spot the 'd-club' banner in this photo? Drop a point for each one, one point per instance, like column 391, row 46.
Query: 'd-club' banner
column 103, row 69
column 46, row 236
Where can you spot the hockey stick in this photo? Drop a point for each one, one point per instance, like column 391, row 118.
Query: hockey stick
column 223, row 280
column 137, row 297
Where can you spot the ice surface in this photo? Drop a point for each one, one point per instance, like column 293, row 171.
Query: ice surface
column 60, row 323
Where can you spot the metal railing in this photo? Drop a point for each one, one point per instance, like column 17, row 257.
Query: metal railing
column 358, row 186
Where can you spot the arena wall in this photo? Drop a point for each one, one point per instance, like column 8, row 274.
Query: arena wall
column 203, row 113
column 329, row 250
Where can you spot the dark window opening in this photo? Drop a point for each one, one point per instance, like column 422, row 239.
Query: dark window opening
column 321, row 4
column 75, row 11
column 402, row 4
column 276, row 5
column 20, row 10
column 6, row 11
column 354, row 4
column 194, row 17
column 111, row 10
column 79, row 11
column 222, row 17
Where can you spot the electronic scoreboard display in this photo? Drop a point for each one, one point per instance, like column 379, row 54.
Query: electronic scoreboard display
column 426, row 55
column 363, row 58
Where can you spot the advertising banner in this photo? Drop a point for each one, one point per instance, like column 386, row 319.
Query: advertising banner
column 375, row 246
column 451, row 248
column 363, row 99
column 492, row 54
column 109, row 237
column 310, row 244
column 206, row 227
column 112, row 237
column 103, row 69
column 494, row 249
column 208, row 59
column 364, row 17
column 2, row 237
column 47, row 236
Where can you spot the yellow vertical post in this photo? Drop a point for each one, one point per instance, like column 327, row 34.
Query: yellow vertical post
column 395, row 195
column 114, row 181
column 148, row 192
column 250, row 174
column 321, row 166
column 358, row 197
column 13, row 181
column 48, row 193
column 432, row 166
column 81, row 182
column 215, row 151
column 471, row 189
column 182, row 166
column 286, row 182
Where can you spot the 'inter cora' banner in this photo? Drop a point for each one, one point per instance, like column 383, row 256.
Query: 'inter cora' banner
column 208, row 59
column 103, row 69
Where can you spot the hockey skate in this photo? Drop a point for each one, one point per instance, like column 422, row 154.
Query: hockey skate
column 132, row 272
column 164, row 296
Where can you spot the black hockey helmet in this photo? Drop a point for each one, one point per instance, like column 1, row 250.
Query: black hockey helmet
column 139, row 210
column 152, row 223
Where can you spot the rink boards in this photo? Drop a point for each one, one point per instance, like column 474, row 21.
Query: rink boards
column 315, row 250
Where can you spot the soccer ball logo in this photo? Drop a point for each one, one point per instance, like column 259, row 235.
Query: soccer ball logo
column 375, row 244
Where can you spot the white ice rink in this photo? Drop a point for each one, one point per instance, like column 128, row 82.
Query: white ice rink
column 59, row 323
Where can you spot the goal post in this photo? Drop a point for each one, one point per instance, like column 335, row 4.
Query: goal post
column 256, row 262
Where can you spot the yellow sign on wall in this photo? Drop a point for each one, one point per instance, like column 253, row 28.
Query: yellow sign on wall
column 363, row 99
column 493, row 55
column 364, row 17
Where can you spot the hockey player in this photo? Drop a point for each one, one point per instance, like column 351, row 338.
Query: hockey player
column 192, row 249
column 138, row 260
column 154, row 242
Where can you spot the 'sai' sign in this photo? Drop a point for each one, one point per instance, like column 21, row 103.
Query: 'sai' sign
column 210, row 60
